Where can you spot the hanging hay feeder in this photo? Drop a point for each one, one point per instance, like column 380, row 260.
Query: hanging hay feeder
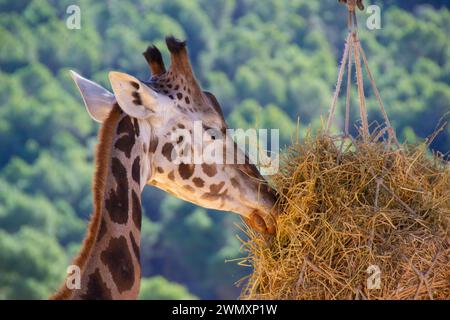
column 361, row 218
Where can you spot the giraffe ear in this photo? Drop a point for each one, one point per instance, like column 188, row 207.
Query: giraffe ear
column 134, row 97
column 97, row 99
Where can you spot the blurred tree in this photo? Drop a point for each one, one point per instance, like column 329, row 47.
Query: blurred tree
column 158, row 288
column 30, row 264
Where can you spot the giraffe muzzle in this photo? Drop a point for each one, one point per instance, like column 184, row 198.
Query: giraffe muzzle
column 261, row 222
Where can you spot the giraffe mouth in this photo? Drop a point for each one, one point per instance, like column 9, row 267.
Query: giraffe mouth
column 261, row 222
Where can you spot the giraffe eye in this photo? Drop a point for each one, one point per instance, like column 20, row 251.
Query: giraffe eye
column 216, row 136
column 213, row 133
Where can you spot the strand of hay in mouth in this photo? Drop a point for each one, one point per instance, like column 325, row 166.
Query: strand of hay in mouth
column 346, row 215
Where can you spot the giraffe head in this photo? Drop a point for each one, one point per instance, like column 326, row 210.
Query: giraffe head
column 186, row 148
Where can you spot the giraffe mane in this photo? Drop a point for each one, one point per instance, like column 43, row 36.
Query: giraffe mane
column 103, row 157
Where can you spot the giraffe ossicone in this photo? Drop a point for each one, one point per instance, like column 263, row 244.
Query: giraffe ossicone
column 137, row 146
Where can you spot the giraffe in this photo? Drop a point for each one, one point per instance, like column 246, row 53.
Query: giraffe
column 145, row 128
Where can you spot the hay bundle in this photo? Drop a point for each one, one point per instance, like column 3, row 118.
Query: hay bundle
column 349, row 213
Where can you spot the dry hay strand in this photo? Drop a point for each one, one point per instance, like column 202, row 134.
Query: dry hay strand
column 345, row 209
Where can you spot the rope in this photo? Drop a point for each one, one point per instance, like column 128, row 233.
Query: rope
column 353, row 45
column 338, row 85
column 362, row 98
column 377, row 95
column 349, row 84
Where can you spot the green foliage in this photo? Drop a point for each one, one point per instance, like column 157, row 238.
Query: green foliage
column 158, row 288
column 30, row 264
column 268, row 62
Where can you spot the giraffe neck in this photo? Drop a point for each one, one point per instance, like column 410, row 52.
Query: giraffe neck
column 109, row 259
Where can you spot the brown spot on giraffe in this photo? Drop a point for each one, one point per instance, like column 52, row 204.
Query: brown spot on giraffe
column 186, row 170
column 167, row 150
column 137, row 209
column 213, row 197
column 153, row 144
column 198, row 182
column 209, row 169
column 117, row 203
column 215, row 188
column 126, row 142
column 159, row 170
column 136, row 127
column 125, row 126
column 117, row 258
column 135, row 246
column 214, row 192
column 136, row 170
column 171, row 175
column 96, row 288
